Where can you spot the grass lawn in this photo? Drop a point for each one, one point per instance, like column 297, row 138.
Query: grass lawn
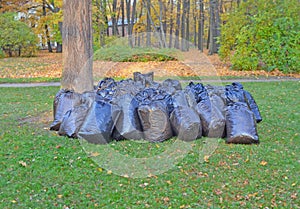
column 42, row 170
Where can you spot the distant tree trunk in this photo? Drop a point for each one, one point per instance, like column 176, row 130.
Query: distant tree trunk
column 123, row 17
column 187, row 35
column 46, row 29
column 195, row 23
column 214, row 24
column 148, row 26
column 176, row 45
column 77, row 46
column 183, row 24
column 114, row 18
column 171, row 24
column 59, row 45
column 201, row 26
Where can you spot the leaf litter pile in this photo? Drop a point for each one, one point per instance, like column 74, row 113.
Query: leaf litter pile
column 49, row 65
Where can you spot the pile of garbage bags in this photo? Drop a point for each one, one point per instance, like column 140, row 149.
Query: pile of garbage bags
column 142, row 109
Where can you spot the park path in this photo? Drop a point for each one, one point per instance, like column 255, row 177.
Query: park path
column 246, row 80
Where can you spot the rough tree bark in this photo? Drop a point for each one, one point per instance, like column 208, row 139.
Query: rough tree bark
column 77, row 46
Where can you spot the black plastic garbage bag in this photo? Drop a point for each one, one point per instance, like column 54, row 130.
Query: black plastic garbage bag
column 155, row 122
column 171, row 86
column 179, row 99
column 240, row 124
column 106, row 83
column 195, row 93
column 186, row 123
column 145, row 79
column 150, row 95
column 64, row 101
column 128, row 86
column 100, row 122
column 74, row 118
column 236, row 93
column 212, row 119
column 128, row 125
column 253, row 106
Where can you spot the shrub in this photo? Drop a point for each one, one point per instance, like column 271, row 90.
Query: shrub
column 263, row 34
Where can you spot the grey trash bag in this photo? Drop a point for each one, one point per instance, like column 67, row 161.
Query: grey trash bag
column 179, row 99
column 253, row 106
column 240, row 124
column 64, row 101
column 145, row 79
column 74, row 118
column 155, row 122
column 186, row 124
column 100, row 122
column 236, row 93
column 128, row 125
column 212, row 119
column 171, row 86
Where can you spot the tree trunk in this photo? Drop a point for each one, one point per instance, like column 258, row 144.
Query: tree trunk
column 59, row 45
column 148, row 26
column 177, row 25
column 183, row 24
column 46, row 28
column 187, row 35
column 123, row 17
column 201, row 26
column 77, row 46
column 171, row 24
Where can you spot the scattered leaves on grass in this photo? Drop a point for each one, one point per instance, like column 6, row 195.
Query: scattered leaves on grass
column 263, row 163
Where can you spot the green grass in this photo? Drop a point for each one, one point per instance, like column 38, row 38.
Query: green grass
column 121, row 53
column 59, row 173
column 29, row 80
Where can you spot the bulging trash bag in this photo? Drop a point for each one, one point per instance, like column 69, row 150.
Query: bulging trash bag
column 236, row 93
column 145, row 79
column 240, row 124
column 128, row 86
column 155, row 107
column 100, row 122
column 64, row 101
column 128, row 125
column 253, row 106
column 195, row 93
column 179, row 99
column 171, row 86
column 106, row 83
column 186, row 123
column 74, row 118
column 212, row 119
column 155, row 122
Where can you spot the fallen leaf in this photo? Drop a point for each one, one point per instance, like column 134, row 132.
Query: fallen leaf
column 206, row 158
column 59, row 196
column 94, row 154
column 109, row 172
column 263, row 163
column 22, row 163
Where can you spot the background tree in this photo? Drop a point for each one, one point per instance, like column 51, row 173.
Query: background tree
column 16, row 38
column 77, row 46
column 263, row 34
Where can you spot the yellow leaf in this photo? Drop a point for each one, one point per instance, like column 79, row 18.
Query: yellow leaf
column 109, row 172
column 157, row 145
column 95, row 154
column 59, row 196
column 206, row 158
column 263, row 163
column 22, row 163
column 169, row 182
column 100, row 169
